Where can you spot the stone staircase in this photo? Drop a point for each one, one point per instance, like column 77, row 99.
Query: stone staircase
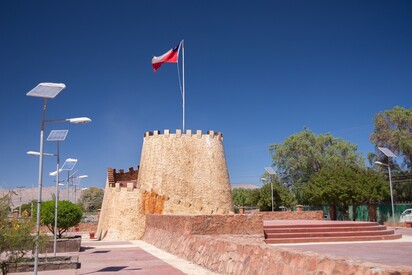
column 277, row 232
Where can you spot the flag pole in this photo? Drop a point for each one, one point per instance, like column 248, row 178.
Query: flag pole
column 183, row 80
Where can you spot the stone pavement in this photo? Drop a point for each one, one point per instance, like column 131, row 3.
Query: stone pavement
column 138, row 257
column 126, row 257
column 389, row 252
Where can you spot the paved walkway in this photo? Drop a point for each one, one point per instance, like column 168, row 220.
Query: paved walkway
column 138, row 257
column 390, row 252
column 126, row 257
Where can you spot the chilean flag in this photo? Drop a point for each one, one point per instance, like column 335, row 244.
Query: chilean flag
column 170, row 56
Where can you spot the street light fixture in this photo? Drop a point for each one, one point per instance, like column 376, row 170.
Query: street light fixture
column 36, row 154
column 389, row 154
column 45, row 91
column 271, row 172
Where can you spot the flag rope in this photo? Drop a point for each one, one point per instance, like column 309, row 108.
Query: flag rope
column 182, row 87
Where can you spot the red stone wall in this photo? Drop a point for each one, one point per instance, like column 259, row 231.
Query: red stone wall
column 82, row 227
column 292, row 215
column 207, row 224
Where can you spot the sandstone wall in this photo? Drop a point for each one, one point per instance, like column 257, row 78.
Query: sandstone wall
column 188, row 169
column 120, row 214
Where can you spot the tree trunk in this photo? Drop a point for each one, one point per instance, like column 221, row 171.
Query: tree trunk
column 345, row 210
column 372, row 212
column 332, row 212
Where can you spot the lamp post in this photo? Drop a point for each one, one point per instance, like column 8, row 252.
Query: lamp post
column 45, row 91
column 389, row 154
column 271, row 188
column 56, row 135
column 32, row 153
column 68, row 165
column 271, row 172
column 74, row 184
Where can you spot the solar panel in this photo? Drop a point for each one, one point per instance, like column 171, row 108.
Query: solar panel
column 387, row 152
column 47, row 90
column 69, row 164
column 57, row 135
column 270, row 170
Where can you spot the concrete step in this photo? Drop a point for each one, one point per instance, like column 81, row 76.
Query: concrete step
column 324, row 229
column 328, row 234
column 333, row 239
column 319, row 224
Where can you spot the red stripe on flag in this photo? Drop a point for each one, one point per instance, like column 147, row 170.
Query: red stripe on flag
column 170, row 56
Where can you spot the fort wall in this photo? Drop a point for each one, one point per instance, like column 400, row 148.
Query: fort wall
column 120, row 213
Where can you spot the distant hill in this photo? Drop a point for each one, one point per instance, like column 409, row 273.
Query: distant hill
column 26, row 195
column 244, row 186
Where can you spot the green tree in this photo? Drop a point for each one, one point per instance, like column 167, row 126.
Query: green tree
column 304, row 154
column 239, row 196
column 393, row 130
column 342, row 185
column 91, row 199
column 68, row 215
column 281, row 197
column 245, row 197
column 15, row 237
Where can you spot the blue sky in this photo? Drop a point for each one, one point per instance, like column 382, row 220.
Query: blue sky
column 257, row 71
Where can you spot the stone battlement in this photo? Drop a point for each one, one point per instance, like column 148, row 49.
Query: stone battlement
column 121, row 178
column 198, row 134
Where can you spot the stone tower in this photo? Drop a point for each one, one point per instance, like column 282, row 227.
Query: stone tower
column 179, row 173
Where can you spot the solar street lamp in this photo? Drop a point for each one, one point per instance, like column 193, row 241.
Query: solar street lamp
column 56, row 135
column 271, row 172
column 68, row 165
column 77, row 179
column 45, row 91
column 389, row 154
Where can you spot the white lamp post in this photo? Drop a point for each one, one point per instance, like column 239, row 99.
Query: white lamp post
column 389, row 154
column 271, row 172
column 271, row 188
column 74, row 184
column 45, row 91
column 68, row 165
column 56, row 135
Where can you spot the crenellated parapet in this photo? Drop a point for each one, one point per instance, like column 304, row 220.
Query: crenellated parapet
column 179, row 134
column 122, row 178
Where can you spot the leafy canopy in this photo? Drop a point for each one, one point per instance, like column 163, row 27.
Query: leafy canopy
column 281, row 197
column 393, row 130
column 91, row 199
column 68, row 215
column 344, row 185
column 245, row 197
column 304, row 154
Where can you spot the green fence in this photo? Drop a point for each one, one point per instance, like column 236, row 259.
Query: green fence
column 384, row 211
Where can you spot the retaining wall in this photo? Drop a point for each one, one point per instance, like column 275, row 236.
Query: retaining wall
column 196, row 239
